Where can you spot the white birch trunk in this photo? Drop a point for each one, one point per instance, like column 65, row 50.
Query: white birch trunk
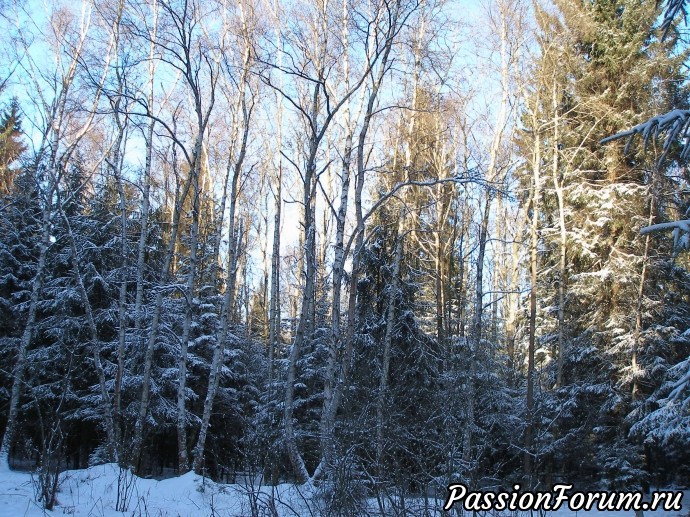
column 393, row 296
column 182, row 455
column 227, row 308
column 534, row 244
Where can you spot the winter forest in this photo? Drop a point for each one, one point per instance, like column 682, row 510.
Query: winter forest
column 377, row 246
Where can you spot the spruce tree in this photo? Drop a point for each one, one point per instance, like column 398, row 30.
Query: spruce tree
column 612, row 72
column 11, row 145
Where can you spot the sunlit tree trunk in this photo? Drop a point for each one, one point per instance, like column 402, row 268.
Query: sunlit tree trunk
column 146, row 189
column 563, row 274
column 534, row 247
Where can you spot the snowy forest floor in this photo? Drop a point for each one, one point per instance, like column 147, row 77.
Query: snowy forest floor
column 106, row 490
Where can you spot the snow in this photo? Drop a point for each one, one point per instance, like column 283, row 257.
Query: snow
column 94, row 492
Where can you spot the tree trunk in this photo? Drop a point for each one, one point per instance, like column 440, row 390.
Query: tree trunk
column 145, row 397
column 122, row 300
column 327, row 415
column 53, row 129
column 106, row 403
column 145, row 207
column 393, row 296
column 558, row 187
column 476, row 334
column 534, row 243
column 27, row 335
column 182, row 455
column 304, row 323
column 228, row 305
column 274, row 330
column 640, row 300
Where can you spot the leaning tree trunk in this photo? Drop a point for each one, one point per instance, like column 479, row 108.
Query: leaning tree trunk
column 182, row 455
column 55, row 122
column 227, row 308
column 27, row 335
column 304, row 323
column 333, row 390
column 145, row 397
column 106, row 403
column 326, row 427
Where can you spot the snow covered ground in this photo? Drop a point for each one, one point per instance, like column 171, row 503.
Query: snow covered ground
column 105, row 489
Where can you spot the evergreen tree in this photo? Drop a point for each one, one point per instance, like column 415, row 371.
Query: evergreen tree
column 11, row 145
column 616, row 74
column 20, row 228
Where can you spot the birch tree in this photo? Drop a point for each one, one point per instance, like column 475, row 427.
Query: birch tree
column 316, row 104
column 241, row 127
column 61, row 133
column 388, row 21
column 189, row 52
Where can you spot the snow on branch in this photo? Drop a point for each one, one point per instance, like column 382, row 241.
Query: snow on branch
column 673, row 7
column 683, row 225
column 681, row 232
column 673, row 124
